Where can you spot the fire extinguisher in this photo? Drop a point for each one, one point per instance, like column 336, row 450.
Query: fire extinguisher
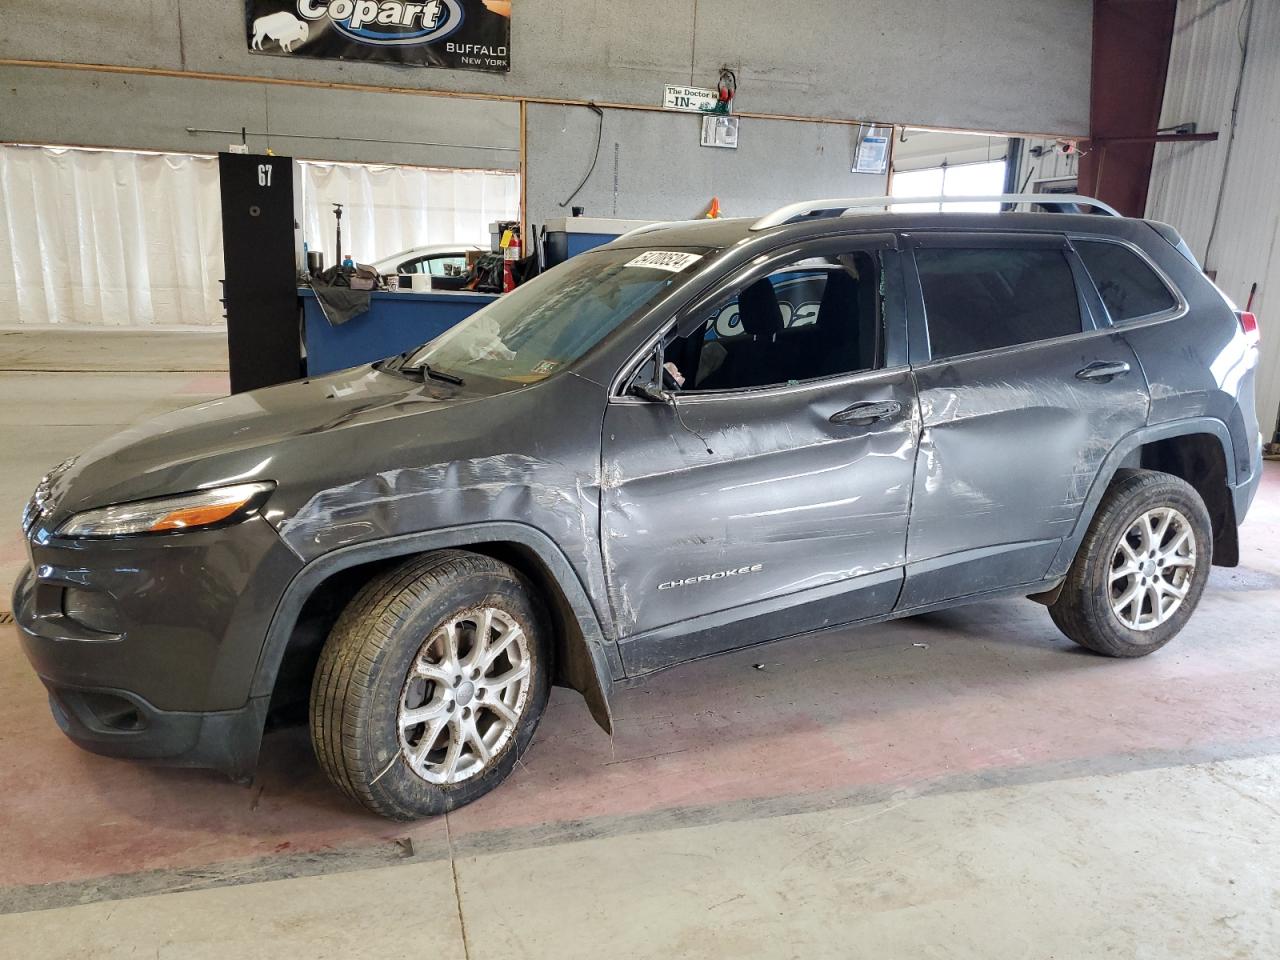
column 509, row 256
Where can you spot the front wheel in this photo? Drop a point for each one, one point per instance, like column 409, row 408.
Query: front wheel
column 1141, row 568
column 430, row 685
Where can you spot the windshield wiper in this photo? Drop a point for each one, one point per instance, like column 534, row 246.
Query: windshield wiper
column 427, row 371
column 392, row 363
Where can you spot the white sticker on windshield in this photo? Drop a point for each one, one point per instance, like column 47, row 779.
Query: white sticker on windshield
column 668, row 260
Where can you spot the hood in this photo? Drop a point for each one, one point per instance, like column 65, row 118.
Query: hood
column 241, row 438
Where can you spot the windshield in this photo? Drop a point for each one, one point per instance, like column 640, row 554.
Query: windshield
column 552, row 320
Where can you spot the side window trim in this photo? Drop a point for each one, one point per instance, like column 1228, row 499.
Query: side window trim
column 746, row 393
column 1180, row 307
column 1093, row 314
column 777, row 389
column 920, row 349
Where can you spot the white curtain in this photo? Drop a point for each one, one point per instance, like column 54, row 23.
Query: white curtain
column 116, row 238
column 109, row 238
column 387, row 209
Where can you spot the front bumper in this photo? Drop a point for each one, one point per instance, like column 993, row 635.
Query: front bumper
column 180, row 624
column 116, row 723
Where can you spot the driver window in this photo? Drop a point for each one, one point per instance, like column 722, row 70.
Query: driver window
column 818, row 317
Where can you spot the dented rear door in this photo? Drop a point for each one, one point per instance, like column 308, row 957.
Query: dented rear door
column 1012, row 437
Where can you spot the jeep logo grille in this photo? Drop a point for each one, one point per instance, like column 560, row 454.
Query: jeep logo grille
column 41, row 503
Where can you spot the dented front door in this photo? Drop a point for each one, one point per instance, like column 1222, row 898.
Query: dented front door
column 747, row 516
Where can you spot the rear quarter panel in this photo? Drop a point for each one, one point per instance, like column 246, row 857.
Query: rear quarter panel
column 1199, row 364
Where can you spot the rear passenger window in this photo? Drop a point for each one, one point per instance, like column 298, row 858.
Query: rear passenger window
column 984, row 299
column 1129, row 287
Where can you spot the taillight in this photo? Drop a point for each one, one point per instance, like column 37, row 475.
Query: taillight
column 1249, row 324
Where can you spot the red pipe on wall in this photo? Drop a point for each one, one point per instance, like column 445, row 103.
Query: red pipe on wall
column 1131, row 40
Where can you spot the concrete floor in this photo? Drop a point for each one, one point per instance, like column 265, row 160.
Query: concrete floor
column 965, row 784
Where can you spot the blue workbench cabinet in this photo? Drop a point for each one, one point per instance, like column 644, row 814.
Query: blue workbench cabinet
column 395, row 322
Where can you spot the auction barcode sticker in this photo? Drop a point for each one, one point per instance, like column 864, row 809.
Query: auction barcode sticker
column 669, row 260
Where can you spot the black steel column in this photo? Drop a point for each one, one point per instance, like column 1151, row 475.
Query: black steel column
column 260, row 289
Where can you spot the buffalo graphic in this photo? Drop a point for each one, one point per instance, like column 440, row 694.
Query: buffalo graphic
column 284, row 28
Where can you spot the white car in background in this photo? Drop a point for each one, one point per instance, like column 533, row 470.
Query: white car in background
column 438, row 260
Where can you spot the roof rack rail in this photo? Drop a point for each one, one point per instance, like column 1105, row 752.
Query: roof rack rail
column 844, row 205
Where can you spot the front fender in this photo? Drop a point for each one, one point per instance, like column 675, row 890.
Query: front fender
column 589, row 661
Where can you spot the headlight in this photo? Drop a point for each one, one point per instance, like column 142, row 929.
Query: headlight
column 189, row 511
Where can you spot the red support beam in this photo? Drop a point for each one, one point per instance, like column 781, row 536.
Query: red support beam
column 1131, row 41
column 1159, row 138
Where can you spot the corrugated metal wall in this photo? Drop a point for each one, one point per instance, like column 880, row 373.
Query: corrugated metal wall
column 1052, row 164
column 1224, row 197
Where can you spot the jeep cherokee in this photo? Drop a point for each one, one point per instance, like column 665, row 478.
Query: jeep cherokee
column 698, row 437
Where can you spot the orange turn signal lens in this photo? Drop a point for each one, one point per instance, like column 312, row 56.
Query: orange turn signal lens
column 196, row 510
column 197, row 516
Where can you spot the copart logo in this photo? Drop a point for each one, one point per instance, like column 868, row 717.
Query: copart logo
column 708, row 577
column 387, row 22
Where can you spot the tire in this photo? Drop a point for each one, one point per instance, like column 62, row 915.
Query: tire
column 410, row 641
column 1091, row 608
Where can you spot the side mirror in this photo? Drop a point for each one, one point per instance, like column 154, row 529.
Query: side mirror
column 651, row 389
column 650, row 392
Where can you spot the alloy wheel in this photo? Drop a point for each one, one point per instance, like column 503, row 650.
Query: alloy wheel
column 464, row 695
column 1152, row 568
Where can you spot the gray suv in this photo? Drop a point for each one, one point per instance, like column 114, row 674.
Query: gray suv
column 699, row 437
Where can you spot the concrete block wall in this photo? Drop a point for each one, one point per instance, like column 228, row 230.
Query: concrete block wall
column 1000, row 65
column 146, row 111
column 652, row 166
column 1004, row 65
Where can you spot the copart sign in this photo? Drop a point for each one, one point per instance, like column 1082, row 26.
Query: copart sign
column 461, row 34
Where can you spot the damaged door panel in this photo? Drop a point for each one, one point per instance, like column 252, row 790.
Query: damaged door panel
column 735, row 515
column 786, row 507
column 1021, row 399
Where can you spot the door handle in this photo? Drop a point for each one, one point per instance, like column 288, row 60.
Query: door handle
column 1103, row 371
column 867, row 411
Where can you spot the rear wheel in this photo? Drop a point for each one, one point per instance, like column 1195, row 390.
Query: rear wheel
column 430, row 685
column 1141, row 568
